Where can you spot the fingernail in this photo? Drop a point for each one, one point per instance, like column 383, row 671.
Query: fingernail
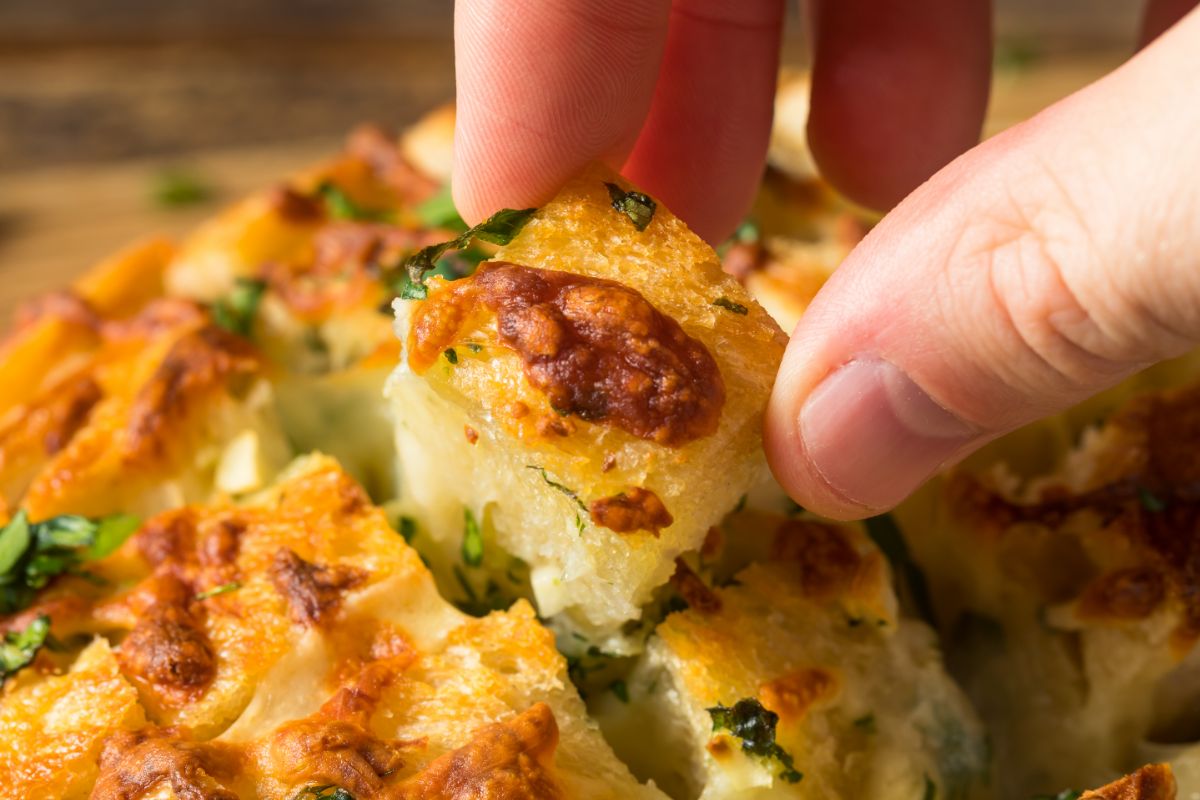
column 875, row 436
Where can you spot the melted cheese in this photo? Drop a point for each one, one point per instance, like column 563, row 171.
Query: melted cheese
column 520, row 469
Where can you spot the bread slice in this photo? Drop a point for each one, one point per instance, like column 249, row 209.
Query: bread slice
column 641, row 456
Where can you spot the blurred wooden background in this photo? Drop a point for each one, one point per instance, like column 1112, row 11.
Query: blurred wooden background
column 101, row 99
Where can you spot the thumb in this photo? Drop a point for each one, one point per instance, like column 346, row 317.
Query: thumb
column 1039, row 268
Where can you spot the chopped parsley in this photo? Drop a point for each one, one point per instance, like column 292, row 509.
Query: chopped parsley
column 407, row 526
column 909, row 579
column 755, row 726
column 492, row 599
column 1150, row 501
column 18, row 648
column 235, row 312
column 451, row 355
column 620, row 689
column 472, row 543
column 224, row 588
column 31, row 554
column 865, row 723
column 413, row 290
column 581, row 665
column 729, row 305
column 179, row 188
column 499, row 228
column 439, row 212
column 474, row 347
column 1065, row 794
column 635, row 205
column 569, row 492
column 555, row 484
column 930, row 789
column 741, row 504
column 341, row 206
column 327, row 792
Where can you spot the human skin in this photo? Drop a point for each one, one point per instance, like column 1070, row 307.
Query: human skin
column 1010, row 280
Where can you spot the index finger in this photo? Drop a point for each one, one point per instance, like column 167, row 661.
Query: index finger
column 543, row 88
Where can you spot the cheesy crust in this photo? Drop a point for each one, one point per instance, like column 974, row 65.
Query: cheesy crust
column 588, row 374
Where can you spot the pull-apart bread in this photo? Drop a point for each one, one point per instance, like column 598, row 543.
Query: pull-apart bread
column 1071, row 600
column 291, row 642
column 561, row 497
column 598, row 387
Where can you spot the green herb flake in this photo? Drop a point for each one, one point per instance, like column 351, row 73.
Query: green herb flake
column 451, row 355
column 224, row 588
column 407, row 526
column 492, row 599
column 328, row 791
column 236, row 312
column 18, row 648
column 341, row 206
column 500, row 228
column 564, row 489
column 111, row 534
column 33, row 554
column 620, row 689
column 741, row 504
column 472, row 543
column 439, row 212
column 1065, row 794
column 748, row 232
column 411, row 290
column 15, row 539
column 1150, row 501
column 930, row 789
column 729, row 305
column 914, row 591
column 755, row 725
column 179, row 188
column 474, row 347
column 865, row 723
column 635, row 205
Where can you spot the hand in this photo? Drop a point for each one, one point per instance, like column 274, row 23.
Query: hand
column 679, row 96
column 1042, row 266
column 1037, row 269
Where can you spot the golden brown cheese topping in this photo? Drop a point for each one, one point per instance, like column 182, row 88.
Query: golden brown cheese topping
column 792, row 695
column 695, row 592
column 348, row 261
column 335, row 745
column 828, row 564
column 1151, row 782
column 1126, row 594
column 134, row 763
column 200, row 359
column 506, row 761
column 313, row 591
column 597, row 349
column 377, row 149
column 635, row 509
column 1146, row 491
column 168, row 652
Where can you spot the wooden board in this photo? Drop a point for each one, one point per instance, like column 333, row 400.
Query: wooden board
column 55, row 222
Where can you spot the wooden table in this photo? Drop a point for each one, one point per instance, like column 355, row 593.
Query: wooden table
column 56, row 221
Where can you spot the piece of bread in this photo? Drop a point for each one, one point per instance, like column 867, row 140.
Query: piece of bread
column 290, row 641
column 796, row 679
column 656, row 430
column 1069, row 600
column 117, row 399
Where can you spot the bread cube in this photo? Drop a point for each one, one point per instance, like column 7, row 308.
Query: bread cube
column 593, row 396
